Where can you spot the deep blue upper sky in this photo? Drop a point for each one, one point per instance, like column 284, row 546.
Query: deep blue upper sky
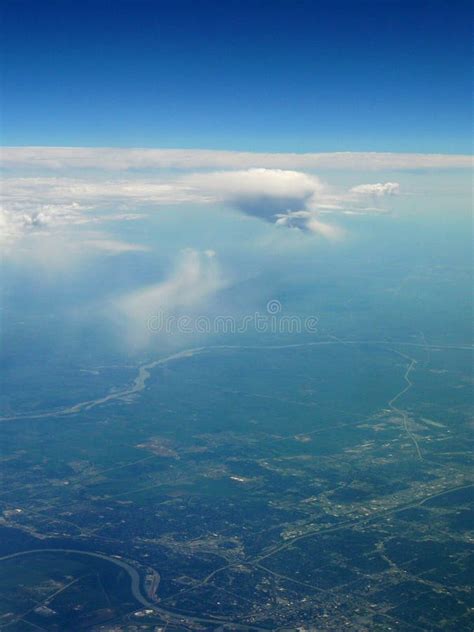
column 266, row 76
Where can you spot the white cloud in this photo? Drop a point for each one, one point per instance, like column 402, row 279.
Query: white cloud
column 286, row 197
column 121, row 159
column 18, row 217
column 309, row 221
column 268, row 186
column 256, row 182
column 289, row 198
column 88, row 193
column 258, row 192
column 114, row 246
column 45, row 203
column 58, row 251
column 48, row 205
column 378, row 189
column 329, row 231
column 197, row 277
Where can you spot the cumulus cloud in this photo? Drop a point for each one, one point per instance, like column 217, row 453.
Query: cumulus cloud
column 121, row 159
column 45, row 206
column 196, row 278
column 288, row 198
column 257, row 182
column 378, row 189
column 260, row 192
column 19, row 217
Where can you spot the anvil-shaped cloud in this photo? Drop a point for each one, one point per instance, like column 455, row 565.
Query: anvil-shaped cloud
column 260, row 192
column 287, row 198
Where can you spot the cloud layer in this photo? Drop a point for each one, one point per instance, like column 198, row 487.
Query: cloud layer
column 120, row 159
column 282, row 196
column 90, row 185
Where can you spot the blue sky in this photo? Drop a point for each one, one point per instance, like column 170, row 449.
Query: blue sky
column 258, row 76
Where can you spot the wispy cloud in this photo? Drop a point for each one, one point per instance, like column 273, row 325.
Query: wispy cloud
column 308, row 221
column 195, row 279
column 114, row 246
